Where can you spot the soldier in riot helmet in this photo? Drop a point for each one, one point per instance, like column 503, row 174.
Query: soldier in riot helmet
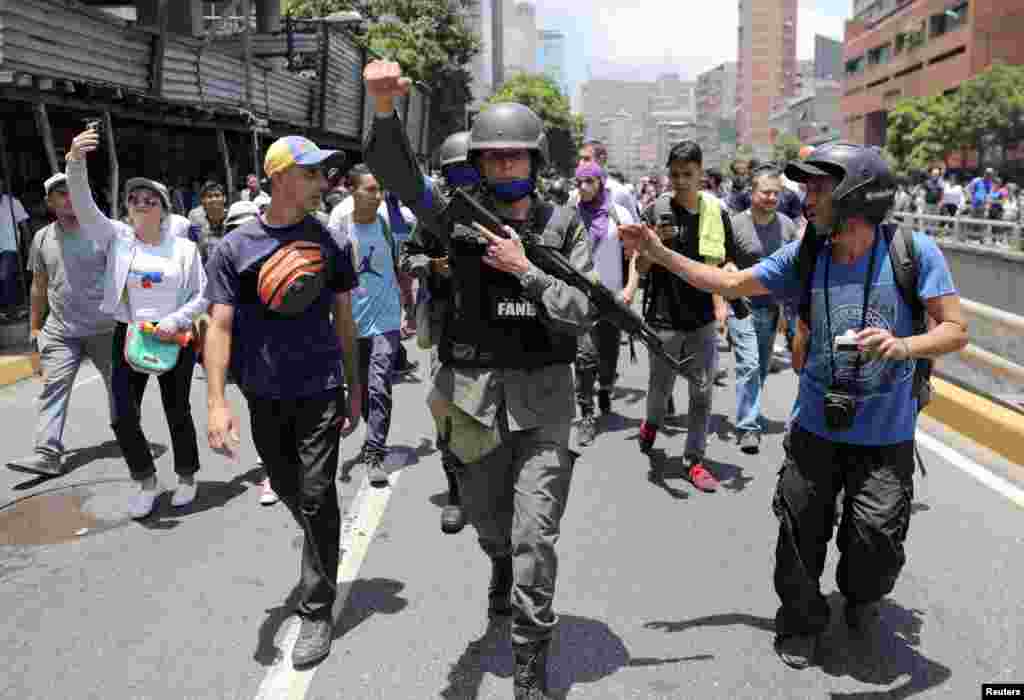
column 866, row 291
column 506, row 352
column 425, row 256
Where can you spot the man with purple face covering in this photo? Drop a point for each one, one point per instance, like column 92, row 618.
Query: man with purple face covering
column 598, row 351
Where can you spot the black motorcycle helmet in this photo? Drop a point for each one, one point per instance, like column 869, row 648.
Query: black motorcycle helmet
column 510, row 125
column 454, row 150
column 866, row 187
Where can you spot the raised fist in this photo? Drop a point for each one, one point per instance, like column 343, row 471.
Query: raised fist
column 384, row 79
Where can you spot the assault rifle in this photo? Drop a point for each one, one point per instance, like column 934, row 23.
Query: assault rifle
column 463, row 209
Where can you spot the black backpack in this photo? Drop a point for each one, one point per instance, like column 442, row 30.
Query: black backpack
column 905, row 273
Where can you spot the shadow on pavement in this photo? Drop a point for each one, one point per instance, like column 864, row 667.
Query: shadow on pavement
column 766, row 624
column 884, row 655
column 730, row 476
column 76, row 459
column 366, row 598
column 583, row 651
column 210, row 495
column 267, row 652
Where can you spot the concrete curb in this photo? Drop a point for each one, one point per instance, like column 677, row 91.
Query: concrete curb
column 14, row 368
column 994, row 426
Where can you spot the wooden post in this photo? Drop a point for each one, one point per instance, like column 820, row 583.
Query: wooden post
column 5, row 163
column 115, row 168
column 43, row 125
column 156, row 67
column 229, row 176
column 247, row 51
column 256, row 166
column 325, row 58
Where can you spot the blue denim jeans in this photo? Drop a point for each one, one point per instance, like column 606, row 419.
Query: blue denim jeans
column 753, row 340
column 378, row 355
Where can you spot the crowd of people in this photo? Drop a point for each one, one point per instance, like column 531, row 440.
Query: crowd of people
column 303, row 299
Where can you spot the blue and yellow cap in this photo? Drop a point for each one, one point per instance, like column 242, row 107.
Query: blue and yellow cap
column 293, row 150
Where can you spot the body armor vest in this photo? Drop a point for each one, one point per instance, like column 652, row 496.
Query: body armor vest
column 490, row 322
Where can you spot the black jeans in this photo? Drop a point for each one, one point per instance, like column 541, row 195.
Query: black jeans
column 879, row 489
column 128, row 387
column 298, row 441
column 597, row 357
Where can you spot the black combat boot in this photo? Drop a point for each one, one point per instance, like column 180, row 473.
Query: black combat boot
column 453, row 517
column 499, row 593
column 531, row 671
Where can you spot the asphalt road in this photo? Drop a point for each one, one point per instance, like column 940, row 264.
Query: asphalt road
column 663, row 592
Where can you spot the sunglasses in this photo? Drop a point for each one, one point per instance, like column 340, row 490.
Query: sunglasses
column 143, row 200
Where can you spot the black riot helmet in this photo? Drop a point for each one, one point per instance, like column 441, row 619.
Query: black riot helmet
column 866, row 187
column 509, row 125
column 455, row 149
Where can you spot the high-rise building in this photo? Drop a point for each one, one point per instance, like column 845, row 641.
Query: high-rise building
column 921, row 48
column 828, row 58
column 519, row 37
column 552, row 57
column 716, row 114
column 766, row 67
column 479, row 19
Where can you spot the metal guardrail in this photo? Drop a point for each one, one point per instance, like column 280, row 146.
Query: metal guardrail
column 1006, row 235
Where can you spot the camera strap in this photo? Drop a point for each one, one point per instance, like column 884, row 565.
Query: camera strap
column 863, row 313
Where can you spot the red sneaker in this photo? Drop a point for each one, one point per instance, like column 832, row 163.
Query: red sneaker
column 648, row 432
column 702, row 478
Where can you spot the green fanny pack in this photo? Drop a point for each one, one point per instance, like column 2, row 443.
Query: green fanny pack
column 146, row 353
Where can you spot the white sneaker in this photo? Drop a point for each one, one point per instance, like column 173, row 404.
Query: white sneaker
column 184, row 494
column 267, row 497
column 143, row 502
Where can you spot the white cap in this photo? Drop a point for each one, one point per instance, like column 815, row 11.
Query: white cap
column 53, row 181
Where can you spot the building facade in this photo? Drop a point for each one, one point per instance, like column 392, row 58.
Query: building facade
column 519, row 20
column 766, row 67
column 715, row 114
column 921, row 48
column 479, row 18
column 552, row 57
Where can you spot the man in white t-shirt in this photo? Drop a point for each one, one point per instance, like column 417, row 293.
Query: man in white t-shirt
column 252, row 191
column 13, row 227
column 597, row 354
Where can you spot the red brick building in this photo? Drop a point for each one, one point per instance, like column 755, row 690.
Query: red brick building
column 766, row 67
column 922, row 48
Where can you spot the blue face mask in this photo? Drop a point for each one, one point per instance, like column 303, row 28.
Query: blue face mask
column 462, row 176
column 513, row 190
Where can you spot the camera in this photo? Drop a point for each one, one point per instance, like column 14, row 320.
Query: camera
column 845, row 343
column 840, row 410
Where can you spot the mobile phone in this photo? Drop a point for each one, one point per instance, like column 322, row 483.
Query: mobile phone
column 846, row 343
column 94, row 124
column 667, row 220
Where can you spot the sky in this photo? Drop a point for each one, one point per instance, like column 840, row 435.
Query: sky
column 638, row 39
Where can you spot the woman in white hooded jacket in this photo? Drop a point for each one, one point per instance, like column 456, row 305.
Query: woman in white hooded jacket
column 153, row 274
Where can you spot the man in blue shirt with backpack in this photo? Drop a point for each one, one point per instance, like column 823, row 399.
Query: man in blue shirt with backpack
column 863, row 349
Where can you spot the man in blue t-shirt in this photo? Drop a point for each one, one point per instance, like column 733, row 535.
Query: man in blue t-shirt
column 289, row 367
column 854, row 420
column 377, row 309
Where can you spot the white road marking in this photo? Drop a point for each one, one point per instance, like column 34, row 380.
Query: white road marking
column 986, row 477
column 283, row 681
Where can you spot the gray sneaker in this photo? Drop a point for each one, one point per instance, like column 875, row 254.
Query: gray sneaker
column 375, row 470
column 750, row 443
column 587, row 430
column 38, row 463
column 314, row 642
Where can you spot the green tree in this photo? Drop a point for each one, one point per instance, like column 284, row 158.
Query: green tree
column 992, row 108
column 787, row 147
column 903, row 118
column 430, row 40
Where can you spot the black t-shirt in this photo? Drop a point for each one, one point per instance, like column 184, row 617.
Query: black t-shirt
column 277, row 356
column 669, row 301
